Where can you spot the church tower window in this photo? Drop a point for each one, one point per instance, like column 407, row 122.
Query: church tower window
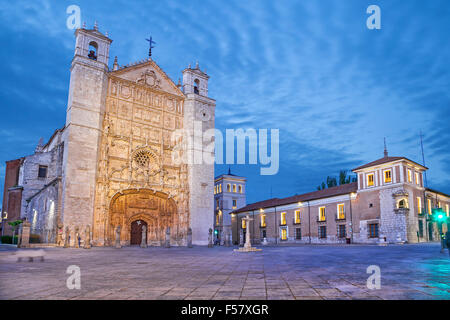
column 196, row 86
column 42, row 173
column 93, row 50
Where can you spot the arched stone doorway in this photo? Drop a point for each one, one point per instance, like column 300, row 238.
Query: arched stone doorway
column 154, row 209
column 137, row 227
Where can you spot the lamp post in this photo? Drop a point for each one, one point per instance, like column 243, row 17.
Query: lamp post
column 3, row 217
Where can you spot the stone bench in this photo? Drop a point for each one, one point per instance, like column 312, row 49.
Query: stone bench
column 30, row 254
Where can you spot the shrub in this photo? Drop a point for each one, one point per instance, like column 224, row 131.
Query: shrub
column 8, row 239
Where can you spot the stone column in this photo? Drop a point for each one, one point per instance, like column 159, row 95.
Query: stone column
column 25, row 235
column 144, row 237
column 210, row 238
column 227, row 238
column 87, row 237
column 67, row 238
column 118, row 246
column 167, row 241
column 189, row 238
column 248, row 243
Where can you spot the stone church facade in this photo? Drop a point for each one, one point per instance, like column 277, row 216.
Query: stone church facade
column 112, row 164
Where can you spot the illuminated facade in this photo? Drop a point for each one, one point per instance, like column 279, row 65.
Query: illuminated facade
column 388, row 202
column 229, row 195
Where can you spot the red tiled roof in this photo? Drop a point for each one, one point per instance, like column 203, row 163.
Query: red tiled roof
column 385, row 160
column 326, row 193
column 438, row 192
column 258, row 205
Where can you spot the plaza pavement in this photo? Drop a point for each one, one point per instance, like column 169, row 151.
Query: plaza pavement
column 285, row 272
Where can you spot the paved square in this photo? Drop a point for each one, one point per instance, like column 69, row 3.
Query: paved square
column 294, row 272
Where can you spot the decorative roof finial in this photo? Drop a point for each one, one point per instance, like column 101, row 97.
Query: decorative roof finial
column 40, row 146
column 189, row 66
column 151, row 42
column 84, row 25
column 196, row 64
column 96, row 26
column 179, row 83
column 115, row 65
column 385, row 149
column 106, row 34
column 229, row 170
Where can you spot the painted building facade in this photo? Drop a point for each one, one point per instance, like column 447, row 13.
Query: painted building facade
column 388, row 202
column 229, row 195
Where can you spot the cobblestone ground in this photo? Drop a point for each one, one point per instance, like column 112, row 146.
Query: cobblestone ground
column 295, row 272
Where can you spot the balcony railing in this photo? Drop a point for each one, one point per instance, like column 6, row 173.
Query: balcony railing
column 401, row 210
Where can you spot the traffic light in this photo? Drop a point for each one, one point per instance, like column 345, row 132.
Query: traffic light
column 439, row 215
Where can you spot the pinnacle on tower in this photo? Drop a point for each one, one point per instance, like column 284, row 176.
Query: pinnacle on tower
column 385, row 149
column 95, row 26
column 115, row 65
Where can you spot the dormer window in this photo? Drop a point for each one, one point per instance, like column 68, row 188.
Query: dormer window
column 388, row 176
column 196, row 86
column 370, row 180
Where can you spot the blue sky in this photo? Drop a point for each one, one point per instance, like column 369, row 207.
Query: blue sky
column 309, row 68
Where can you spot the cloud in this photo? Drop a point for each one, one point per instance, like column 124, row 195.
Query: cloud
column 312, row 69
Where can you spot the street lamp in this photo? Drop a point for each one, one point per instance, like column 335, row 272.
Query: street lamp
column 3, row 218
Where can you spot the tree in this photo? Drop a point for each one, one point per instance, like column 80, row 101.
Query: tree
column 14, row 226
column 333, row 182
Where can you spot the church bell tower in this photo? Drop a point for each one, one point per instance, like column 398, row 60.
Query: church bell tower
column 199, row 117
column 85, row 111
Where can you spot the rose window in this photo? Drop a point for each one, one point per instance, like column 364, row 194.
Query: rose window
column 142, row 158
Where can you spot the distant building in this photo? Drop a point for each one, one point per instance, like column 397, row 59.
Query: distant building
column 388, row 201
column 229, row 195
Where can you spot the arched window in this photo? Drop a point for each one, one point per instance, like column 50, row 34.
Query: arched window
column 196, row 86
column 402, row 204
column 93, row 47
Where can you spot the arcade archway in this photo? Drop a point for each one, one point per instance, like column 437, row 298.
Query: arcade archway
column 152, row 209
